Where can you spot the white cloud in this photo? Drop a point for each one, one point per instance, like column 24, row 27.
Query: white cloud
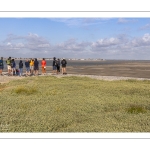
column 146, row 37
column 72, row 45
column 20, row 45
column 123, row 47
column 8, row 43
column 124, row 20
column 43, row 45
column 31, row 42
column 106, row 42
column 81, row 21
column 35, row 45
column 146, row 27
column 33, row 35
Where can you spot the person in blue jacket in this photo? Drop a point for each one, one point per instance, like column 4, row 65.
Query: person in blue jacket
column 1, row 66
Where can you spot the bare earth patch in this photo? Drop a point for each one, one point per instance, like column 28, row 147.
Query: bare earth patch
column 5, row 79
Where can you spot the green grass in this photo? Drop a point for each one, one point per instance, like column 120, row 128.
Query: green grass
column 74, row 104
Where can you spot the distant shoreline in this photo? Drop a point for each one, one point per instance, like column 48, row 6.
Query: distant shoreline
column 80, row 59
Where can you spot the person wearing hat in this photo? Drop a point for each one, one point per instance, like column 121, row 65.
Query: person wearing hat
column 63, row 63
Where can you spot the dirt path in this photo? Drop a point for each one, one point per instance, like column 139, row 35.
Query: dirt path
column 5, row 79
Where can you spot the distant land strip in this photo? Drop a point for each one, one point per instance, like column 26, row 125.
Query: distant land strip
column 75, row 11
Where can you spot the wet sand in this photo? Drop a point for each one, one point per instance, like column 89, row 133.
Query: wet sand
column 136, row 69
column 131, row 69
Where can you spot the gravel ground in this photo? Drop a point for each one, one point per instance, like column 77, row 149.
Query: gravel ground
column 5, row 78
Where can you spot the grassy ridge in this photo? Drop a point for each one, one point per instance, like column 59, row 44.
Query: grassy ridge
column 74, row 104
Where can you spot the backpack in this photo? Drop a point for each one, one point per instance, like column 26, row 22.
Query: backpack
column 63, row 62
column 13, row 64
column 56, row 63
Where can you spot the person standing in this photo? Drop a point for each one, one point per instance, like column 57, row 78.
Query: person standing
column 8, row 62
column 54, row 65
column 31, row 66
column 13, row 65
column 63, row 63
column 21, row 68
column 36, row 66
column 27, row 64
column 1, row 66
column 58, row 65
column 43, row 65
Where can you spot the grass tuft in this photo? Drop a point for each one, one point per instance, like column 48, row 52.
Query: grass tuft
column 25, row 90
column 136, row 109
column 131, row 80
column 2, row 86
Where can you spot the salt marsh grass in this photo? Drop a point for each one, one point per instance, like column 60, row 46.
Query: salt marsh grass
column 75, row 104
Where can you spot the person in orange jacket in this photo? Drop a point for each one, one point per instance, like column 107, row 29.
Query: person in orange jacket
column 43, row 65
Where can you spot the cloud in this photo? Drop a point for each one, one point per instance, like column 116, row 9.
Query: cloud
column 123, row 46
column 80, row 22
column 123, row 20
column 31, row 42
column 34, row 45
column 105, row 42
column 8, row 43
column 72, row 45
column 146, row 27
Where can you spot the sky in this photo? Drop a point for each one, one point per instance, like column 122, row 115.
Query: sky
column 104, row 38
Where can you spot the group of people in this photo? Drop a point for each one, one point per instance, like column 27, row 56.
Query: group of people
column 56, row 65
column 32, row 66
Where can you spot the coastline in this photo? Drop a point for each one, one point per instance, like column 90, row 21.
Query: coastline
column 102, row 70
column 6, row 79
column 135, row 69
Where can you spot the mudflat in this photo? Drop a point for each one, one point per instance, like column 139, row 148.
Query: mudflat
column 137, row 69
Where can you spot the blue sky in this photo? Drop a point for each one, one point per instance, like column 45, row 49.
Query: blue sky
column 107, row 38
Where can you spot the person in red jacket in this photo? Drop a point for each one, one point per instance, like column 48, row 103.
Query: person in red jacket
column 43, row 64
